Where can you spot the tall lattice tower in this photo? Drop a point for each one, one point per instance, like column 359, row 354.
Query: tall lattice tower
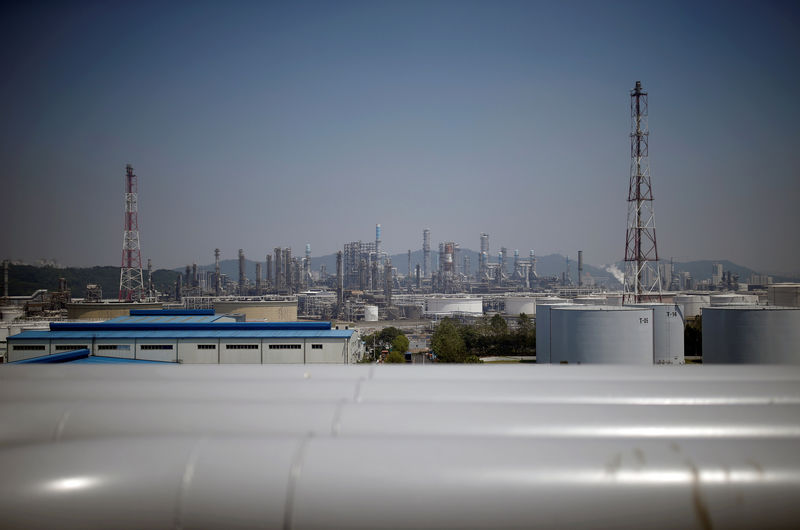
column 642, row 278
column 131, row 282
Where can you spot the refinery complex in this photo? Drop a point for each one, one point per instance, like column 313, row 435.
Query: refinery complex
column 639, row 320
column 455, row 382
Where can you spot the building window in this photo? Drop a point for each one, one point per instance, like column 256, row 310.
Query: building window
column 155, row 346
column 316, row 346
column 29, row 347
column 69, row 347
column 241, row 346
column 285, row 346
column 113, row 346
column 206, row 346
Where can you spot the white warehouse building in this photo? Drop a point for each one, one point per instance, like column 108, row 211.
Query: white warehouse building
column 198, row 339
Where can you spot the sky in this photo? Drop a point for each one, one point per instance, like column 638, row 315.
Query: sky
column 256, row 125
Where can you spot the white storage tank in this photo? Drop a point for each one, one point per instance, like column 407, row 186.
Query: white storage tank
column 668, row 326
column 447, row 305
column 515, row 305
column 717, row 300
column 601, row 335
column 590, row 300
column 692, row 304
column 371, row 313
column 751, row 335
column 614, row 299
column 784, row 294
column 544, row 305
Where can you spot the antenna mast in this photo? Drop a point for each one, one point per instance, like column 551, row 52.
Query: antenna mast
column 642, row 278
column 131, row 282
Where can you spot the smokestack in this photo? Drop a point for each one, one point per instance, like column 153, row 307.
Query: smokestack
column 387, row 278
column 149, row 277
column 287, row 268
column 278, row 278
column 269, row 268
column 241, row 271
column 580, row 268
column 258, row 278
column 307, row 266
column 5, row 278
column 178, row 285
column 408, row 279
column 426, row 252
column 217, row 281
column 378, row 242
column 418, row 277
column 339, row 279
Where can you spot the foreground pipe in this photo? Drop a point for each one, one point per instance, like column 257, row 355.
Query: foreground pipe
column 600, row 392
column 405, row 482
column 33, row 422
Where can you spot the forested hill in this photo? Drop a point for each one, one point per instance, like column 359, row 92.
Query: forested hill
column 25, row 279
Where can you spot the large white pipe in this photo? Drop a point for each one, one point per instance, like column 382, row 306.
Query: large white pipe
column 401, row 482
column 607, row 391
column 354, row 373
column 33, row 422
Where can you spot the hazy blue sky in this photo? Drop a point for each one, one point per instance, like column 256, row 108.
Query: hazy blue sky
column 257, row 125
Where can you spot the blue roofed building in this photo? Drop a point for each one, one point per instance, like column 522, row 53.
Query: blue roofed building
column 191, row 337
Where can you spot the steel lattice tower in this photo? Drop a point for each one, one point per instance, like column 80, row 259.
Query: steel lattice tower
column 131, row 283
column 642, row 279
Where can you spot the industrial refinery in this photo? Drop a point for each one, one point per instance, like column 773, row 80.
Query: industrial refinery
column 361, row 265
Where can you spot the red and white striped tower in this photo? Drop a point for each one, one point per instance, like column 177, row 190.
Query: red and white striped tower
column 131, row 282
column 642, row 280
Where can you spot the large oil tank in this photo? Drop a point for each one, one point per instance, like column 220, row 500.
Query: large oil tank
column 445, row 305
column 516, row 305
column 601, row 335
column 717, row 300
column 751, row 335
column 668, row 326
column 544, row 305
column 590, row 300
column 784, row 294
column 692, row 304
column 371, row 313
column 614, row 299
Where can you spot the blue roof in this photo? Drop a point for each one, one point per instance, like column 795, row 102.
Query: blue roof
column 163, row 319
column 159, row 312
column 82, row 356
column 199, row 333
column 187, row 326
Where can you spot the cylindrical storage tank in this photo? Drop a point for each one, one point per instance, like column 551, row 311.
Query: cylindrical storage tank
column 751, row 335
column 717, row 300
column 543, row 327
column 601, row 335
column 454, row 304
column 516, row 305
column 614, row 299
column 668, row 326
column 692, row 304
column 784, row 294
column 589, row 300
column 371, row 313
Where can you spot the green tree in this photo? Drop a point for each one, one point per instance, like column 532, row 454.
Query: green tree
column 387, row 335
column 498, row 326
column 400, row 344
column 395, row 357
column 447, row 342
column 693, row 338
column 524, row 339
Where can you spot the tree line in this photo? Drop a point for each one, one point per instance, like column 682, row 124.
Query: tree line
column 456, row 342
